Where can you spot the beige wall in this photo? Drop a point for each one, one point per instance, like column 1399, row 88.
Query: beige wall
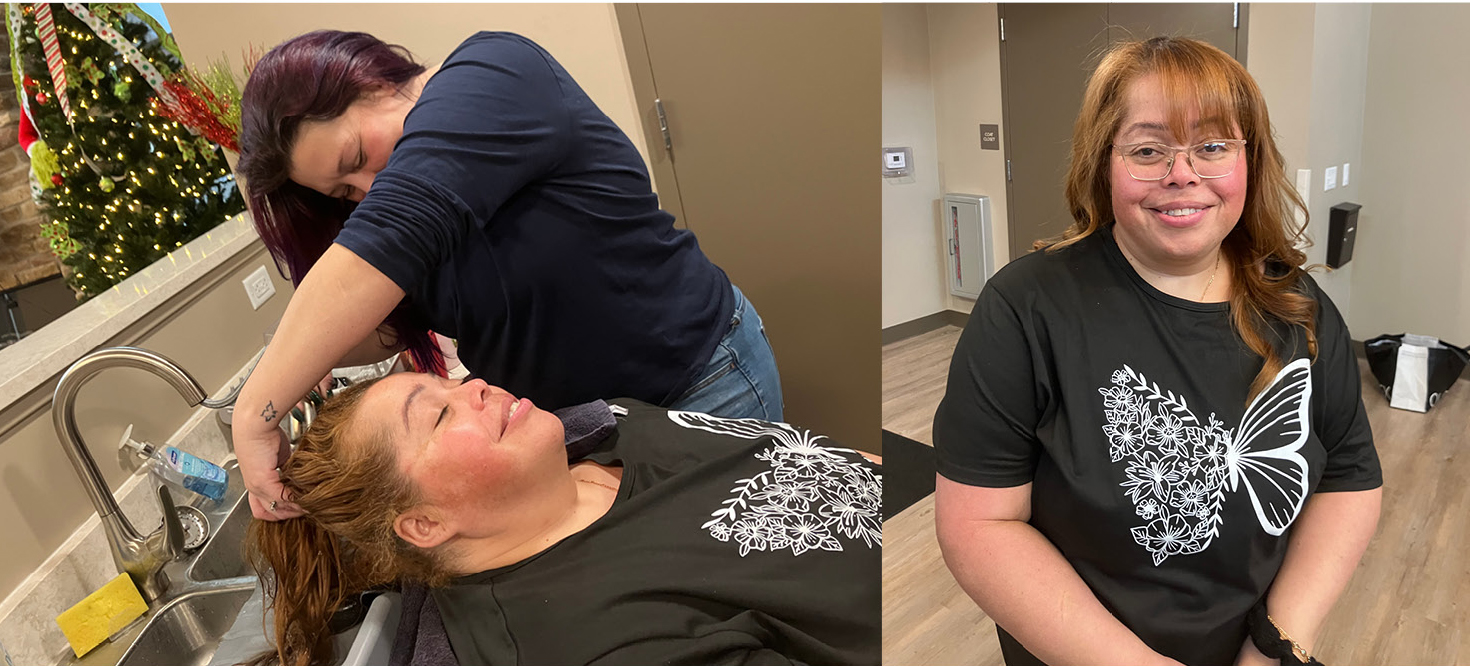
column 913, row 284
column 1370, row 85
column 211, row 334
column 1279, row 57
column 964, row 54
column 1311, row 63
column 1339, row 87
column 584, row 38
column 1411, row 269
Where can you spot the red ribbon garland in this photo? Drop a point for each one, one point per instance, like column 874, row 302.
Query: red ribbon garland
column 46, row 28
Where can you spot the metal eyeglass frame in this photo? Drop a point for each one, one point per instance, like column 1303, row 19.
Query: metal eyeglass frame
column 1174, row 154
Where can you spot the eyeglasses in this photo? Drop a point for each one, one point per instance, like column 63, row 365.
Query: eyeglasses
column 1215, row 158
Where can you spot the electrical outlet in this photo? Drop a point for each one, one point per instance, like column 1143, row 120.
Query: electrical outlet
column 259, row 288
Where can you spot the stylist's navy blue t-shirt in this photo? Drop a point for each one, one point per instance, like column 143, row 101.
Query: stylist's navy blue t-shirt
column 520, row 220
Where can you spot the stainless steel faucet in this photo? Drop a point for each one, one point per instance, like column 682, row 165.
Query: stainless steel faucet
column 141, row 557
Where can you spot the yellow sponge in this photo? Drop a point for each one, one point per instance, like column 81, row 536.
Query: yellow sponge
column 102, row 614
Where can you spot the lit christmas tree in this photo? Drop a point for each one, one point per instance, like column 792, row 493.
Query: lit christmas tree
column 121, row 185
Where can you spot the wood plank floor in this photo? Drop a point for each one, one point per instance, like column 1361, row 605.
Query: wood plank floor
column 1408, row 603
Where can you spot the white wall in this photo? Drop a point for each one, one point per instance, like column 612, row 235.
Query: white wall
column 1411, row 271
column 912, row 286
column 964, row 53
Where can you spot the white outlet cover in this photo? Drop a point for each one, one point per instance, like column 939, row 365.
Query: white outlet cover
column 1329, row 179
column 259, row 288
column 1345, row 171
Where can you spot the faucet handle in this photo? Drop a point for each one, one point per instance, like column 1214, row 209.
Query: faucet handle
column 173, row 528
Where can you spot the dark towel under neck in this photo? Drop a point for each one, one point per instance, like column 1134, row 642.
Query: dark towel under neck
column 586, row 426
column 420, row 639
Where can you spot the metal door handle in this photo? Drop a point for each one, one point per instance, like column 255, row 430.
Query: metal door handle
column 663, row 124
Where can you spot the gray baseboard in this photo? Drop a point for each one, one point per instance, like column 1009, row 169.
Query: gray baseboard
column 923, row 325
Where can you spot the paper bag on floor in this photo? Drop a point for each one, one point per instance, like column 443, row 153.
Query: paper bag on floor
column 1411, row 379
column 1414, row 371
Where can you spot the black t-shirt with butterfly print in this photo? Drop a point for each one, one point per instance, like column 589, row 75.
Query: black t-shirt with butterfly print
column 1126, row 409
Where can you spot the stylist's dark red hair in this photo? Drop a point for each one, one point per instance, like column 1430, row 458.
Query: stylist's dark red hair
column 315, row 76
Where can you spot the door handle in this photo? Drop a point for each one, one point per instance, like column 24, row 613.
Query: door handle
column 663, row 125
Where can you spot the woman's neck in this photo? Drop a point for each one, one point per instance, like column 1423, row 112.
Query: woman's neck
column 588, row 493
column 416, row 86
column 1204, row 279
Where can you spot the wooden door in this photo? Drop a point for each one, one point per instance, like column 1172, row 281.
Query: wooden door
column 774, row 119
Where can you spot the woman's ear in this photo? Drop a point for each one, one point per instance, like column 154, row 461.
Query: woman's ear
column 422, row 528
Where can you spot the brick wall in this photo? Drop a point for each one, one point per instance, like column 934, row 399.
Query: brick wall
column 24, row 255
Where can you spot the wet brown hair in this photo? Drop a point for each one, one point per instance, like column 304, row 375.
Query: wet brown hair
column 345, row 477
column 1262, row 249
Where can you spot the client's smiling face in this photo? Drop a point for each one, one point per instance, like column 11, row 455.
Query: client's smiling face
column 473, row 450
column 1182, row 217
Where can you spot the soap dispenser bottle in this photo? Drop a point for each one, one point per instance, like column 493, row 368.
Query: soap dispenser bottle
column 180, row 467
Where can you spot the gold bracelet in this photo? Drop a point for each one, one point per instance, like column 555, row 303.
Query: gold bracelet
column 1297, row 650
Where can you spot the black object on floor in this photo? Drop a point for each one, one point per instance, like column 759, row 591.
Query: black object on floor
column 908, row 473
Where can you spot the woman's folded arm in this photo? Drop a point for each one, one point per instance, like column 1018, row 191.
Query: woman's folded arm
column 1022, row 581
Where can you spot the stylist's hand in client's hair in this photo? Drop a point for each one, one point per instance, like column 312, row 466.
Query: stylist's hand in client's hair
column 266, row 451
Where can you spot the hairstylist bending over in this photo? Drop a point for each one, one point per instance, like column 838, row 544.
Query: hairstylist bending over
column 1154, row 435
column 490, row 202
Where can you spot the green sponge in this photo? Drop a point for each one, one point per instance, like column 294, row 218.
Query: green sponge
column 102, row 614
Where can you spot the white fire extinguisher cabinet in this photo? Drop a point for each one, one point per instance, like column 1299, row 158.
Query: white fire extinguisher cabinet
column 966, row 222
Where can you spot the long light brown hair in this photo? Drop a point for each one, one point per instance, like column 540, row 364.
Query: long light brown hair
column 345, row 477
column 1262, row 249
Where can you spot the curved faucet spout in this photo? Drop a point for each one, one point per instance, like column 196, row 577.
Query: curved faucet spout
column 140, row 556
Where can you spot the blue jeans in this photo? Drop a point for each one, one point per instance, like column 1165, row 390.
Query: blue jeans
column 740, row 380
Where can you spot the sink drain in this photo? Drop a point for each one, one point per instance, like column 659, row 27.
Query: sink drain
column 196, row 526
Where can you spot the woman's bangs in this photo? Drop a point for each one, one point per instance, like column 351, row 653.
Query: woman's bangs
column 1190, row 85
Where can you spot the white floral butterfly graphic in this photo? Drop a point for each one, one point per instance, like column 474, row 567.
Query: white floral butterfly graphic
column 811, row 495
column 1178, row 470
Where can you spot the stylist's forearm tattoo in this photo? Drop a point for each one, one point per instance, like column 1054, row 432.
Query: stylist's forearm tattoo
column 269, row 412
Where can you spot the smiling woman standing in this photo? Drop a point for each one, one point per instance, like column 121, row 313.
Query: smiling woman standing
column 1153, row 447
column 489, row 201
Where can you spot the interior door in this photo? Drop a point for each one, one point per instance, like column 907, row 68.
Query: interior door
column 1047, row 53
column 772, row 114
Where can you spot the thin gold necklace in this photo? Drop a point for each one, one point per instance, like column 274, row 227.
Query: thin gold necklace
column 604, row 485
column 1212, row 276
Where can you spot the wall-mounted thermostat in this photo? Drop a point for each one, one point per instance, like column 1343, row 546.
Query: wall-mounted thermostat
column 897, row 162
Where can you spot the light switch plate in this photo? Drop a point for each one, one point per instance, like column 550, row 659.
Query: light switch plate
column 1304, row 186
column 1345, row 167
column 1329, row 179
column 259, row 287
